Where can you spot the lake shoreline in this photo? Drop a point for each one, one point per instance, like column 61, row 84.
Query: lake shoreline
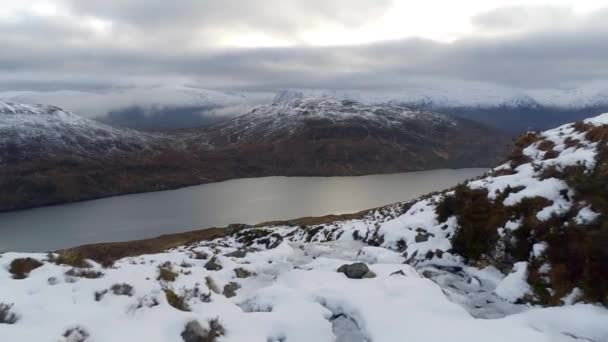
column 249, row 201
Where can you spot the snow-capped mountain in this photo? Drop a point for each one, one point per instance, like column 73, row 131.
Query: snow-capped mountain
column 517, row 255
column 509, row 109
column 41, row 132
column 290, row 117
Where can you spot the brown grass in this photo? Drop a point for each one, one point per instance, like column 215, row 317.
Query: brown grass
column 21, row 268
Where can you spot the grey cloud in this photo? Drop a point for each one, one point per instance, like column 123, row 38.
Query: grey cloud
column 275, row 17
column 76, row 59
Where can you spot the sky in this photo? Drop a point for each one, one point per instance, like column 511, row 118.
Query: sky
column 268, row 45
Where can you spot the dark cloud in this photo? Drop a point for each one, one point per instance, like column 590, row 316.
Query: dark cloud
column 40, row 53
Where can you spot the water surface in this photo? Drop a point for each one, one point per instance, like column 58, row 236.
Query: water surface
column 249, row 200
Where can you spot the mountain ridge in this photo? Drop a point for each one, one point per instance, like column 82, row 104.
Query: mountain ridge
column 48, row 160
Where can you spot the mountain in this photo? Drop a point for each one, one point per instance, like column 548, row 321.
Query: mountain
column 516, row 255
column 326, row 136
column 509, row 109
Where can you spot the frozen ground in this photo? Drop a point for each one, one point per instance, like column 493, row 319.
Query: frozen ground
column 293, row 293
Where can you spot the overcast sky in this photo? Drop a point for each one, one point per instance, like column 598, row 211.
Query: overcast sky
column 275, row 44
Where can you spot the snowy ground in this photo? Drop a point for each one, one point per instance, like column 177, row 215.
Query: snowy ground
column 293, row 294
column 281, row 283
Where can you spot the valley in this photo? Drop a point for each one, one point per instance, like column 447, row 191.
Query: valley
column 50, row 156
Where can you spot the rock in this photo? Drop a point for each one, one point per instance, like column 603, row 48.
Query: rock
column 194, row 332
column 76, row 334
column 230, row 289
column 234, row 228
column 357, row 270
column 239, row 253
column 429, row 274
column 213, row 265
column 423, row 236
column 242, row 273
column 400, row 272
column 201, row 255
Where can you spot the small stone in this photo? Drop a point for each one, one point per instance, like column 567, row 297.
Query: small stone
column 357, row 270
column 400, row 272
column 213, row 265
column 422, row 237
column 239, row 253
column 230, row 289
column 242, row 273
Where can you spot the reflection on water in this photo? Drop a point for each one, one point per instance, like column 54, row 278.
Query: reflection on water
column 250, row 200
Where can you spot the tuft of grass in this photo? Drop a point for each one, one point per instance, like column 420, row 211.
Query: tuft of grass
column 216, row 329
column 194, row 332
column 70, row 258
column 176, row 301
column 166, row 273
column 21, row 268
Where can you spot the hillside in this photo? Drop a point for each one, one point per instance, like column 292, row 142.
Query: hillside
column 50, row 156
column 516, row 255
column 325, row 137
column 510, row 110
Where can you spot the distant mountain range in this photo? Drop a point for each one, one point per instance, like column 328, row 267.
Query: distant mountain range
column 49, row 155
column 173, row 107
column 513, row 111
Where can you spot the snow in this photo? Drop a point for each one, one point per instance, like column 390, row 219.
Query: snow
column 598, row 120
column 573, row 296
column 286, row 117
column 538, row 249
column 421, row 292
column 292, row 296
column 586, row 215
column 514, row 285
column 50, row 130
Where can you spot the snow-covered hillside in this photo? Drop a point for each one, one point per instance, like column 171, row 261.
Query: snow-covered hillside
column 290, row 115
column 517, row 255
column 27, row 131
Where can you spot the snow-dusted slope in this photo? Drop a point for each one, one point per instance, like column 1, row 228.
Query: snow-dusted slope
column 292, row 114
column 33, row 131
column 479, row 262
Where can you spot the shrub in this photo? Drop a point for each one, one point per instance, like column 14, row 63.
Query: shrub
column 20, row 268
column 478, row 220
column 69, row 258
column 84, row 273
